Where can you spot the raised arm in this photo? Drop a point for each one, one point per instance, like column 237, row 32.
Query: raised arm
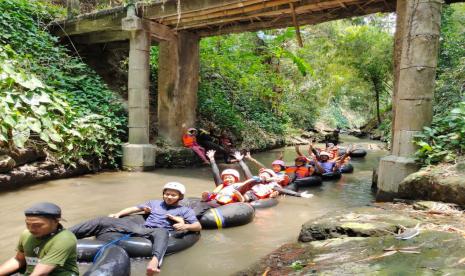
column 312, row 150
column 344, row 157
column 243, row 165
column 285, row 191
column 317, row 164
column 215, row 170
column 297, row 150
column 253, row 160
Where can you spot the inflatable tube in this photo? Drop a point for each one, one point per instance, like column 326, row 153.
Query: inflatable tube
column 113, row 261
column 136, row 247
column 347, row 168
column 306, row 182
column 264, row 203
column 292, row 187
column 331, row 176
column 358, row 153
column 197, row 205
column 234, row 214
column 354, row 153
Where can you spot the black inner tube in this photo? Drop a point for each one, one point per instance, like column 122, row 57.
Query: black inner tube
column 229, row 215
column 347, row 168
column 264, row 203
column 113, row 261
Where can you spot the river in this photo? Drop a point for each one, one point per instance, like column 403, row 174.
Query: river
column 219, row 252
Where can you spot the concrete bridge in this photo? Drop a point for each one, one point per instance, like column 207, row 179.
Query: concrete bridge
column 178, row 25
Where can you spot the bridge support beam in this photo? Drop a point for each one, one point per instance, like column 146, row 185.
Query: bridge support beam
column 178, row 78
column 417, row 43
column 138, row 153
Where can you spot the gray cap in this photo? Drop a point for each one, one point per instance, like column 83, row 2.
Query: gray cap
column 43, row 209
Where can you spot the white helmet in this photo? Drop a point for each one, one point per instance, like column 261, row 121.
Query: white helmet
column 271, row 173
column 175, row 186
column 323, row 153
column 231, row 172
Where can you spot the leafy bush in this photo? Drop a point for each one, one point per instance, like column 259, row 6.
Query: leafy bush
column 49, row 98
column 445, row 139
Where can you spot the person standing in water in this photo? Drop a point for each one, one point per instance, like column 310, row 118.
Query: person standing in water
column 45, row 248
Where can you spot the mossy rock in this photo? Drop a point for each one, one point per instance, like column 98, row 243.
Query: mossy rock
column 360, row 222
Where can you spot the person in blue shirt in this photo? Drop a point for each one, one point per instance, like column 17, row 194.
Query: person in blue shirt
column 164, row 216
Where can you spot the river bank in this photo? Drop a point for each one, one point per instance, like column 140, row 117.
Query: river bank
column 28, row 166
column 365, row 241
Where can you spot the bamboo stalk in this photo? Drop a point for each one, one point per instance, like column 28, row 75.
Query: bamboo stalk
column 296, row 26
column 298, row 10
column 316, row 18
column 230, row 12
column 212, row 9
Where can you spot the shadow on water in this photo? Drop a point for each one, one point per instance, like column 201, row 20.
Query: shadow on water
column 218, row 252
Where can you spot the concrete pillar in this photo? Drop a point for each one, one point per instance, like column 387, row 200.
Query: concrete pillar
column 138, row 154
column 418, row 27
column 178, row 78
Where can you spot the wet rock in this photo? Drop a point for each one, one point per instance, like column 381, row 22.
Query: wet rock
column 176, row 157
column 437, row 250
column 360, row 222
column 444, row 183
column 38, row 171
column 6, row 163
column 27, row 155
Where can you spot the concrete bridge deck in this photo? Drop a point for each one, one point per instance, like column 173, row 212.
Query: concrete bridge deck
column 213, row 17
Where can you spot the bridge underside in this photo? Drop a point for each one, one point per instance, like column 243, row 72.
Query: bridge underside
column 213, row 17
column 178, row 30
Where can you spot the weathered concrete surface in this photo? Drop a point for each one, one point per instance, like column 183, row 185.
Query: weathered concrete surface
column 391, row 171
column 437, row 250
column 178, row 78
column 138, row 153
column 139, row 157
column 444, row 183
column 416, row 50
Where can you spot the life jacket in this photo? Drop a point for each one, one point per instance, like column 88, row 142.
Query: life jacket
column 224, row 194
column 300, row 172
column 263, row 190
column 284, row 179
column 188, row 140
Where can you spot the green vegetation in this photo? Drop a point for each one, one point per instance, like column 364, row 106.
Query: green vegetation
column 445, row 139
column 262, row 82
column 50, row 99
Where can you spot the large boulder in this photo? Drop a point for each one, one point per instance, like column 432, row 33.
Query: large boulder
column 359, row 222
column 444, row 183
column 362, row 241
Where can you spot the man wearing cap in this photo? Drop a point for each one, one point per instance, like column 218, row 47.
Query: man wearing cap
column 45, row 248
column 164, row 216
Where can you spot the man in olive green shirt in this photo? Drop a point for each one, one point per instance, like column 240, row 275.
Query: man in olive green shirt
column 45, row 248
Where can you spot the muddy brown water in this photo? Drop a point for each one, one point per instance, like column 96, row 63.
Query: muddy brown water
column 219, row 252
